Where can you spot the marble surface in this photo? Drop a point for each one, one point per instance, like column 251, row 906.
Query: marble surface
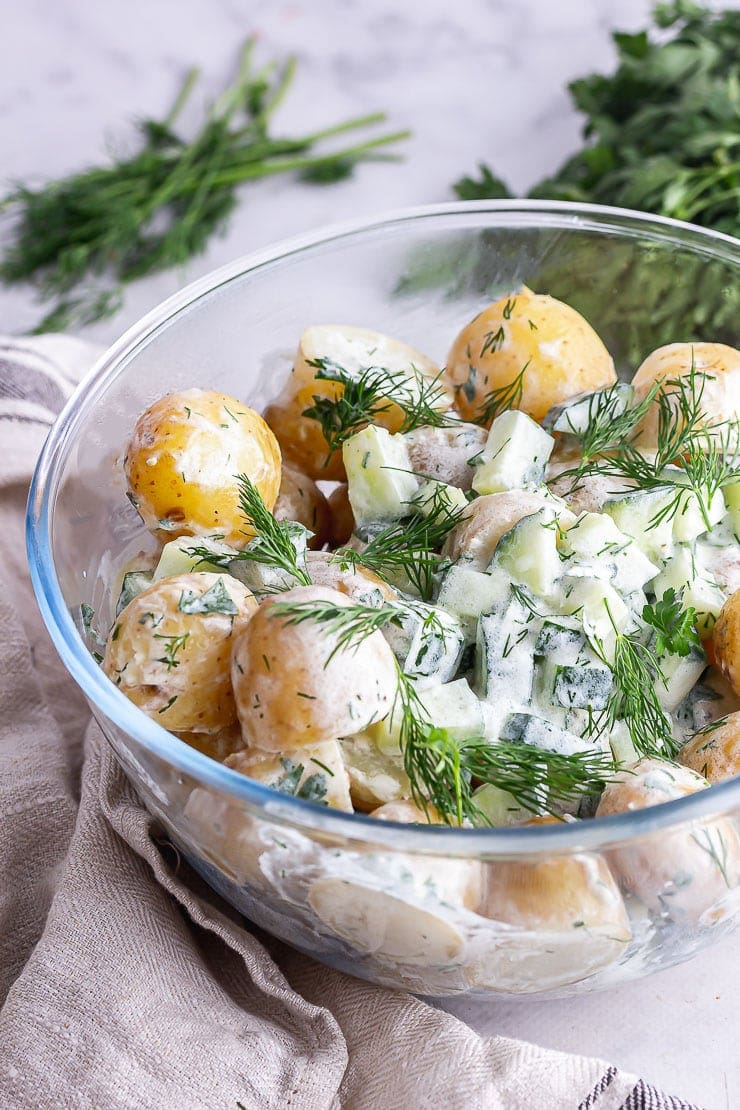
column 474, row 79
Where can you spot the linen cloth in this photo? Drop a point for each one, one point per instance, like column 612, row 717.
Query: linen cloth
column 126, row 982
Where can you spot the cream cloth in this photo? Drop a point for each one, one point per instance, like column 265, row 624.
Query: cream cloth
column 124, row 981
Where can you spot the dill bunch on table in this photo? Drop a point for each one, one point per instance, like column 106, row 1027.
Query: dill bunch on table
column 81, row 239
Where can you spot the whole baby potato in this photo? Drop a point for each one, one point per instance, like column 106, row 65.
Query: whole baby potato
column 681, row 874
column 301, row 499
column 296, row 687
column 169, row 650
column 555, row 350
column 354, row 350
column 444, row 453
column 183, row 460
column 715, row 751
column 359, row 584
column 321, row 768
column 727, row 641
column 719, row 366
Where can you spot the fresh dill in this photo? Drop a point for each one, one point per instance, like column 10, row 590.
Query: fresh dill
column 608, row 425
column 369, row 394
column 349, row 624
column 500, row 400
column 408, row 546
column 215, row 600
column 444, row 772
column 80, row 240
column 312, row 789
column 675, row 631
column 173, row 645
column 272, row 544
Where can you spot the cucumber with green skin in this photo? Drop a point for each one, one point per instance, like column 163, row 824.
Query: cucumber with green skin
column 515, row 455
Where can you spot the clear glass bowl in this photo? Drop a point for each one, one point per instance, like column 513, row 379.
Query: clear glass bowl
column 399, row 905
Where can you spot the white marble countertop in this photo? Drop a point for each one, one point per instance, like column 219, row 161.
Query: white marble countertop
column 474, row 79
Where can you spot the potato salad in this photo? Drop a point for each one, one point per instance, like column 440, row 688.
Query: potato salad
column 502, row 592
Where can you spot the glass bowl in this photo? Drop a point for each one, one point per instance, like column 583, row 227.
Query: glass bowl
column 480, row 912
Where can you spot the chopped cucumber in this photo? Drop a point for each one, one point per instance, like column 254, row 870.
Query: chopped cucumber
column 582, row 687
column 433, row 496
column 176, row 557
column 681, row 674
column 623, row 749
column 504, row 664
column 646, row 516
column 261, row 578
column 688, row 517
column 468, row 593
column 573, row 417
column 529, row 553
column 134, row 581
column 540, row 733
column 598, row 548
column 378, row 467
column 515, row 454
column 560, row 639
column 601, row 610
column 684, row 571
column 498, row 807
column 429, row 644
column 732, row 501
column 452, row 706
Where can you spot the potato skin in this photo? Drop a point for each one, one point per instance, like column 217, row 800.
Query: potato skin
column 342, row 521
column 680, row 874
column 473, row 541
column 727, row 641
column 360, row 585
column 720, row 396
column 175, row 665
column 269, row 768
column 562, row 354
column 443, row 453
column 715, row 752
column 290, row 694
column 301, row 499
column 183, row 458
column 301, row 438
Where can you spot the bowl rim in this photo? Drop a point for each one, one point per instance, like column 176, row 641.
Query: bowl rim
column 107, row 700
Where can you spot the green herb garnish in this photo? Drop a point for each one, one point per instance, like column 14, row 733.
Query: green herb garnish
column 369, row 394
column 172, row 646
column 351, row 624
column 675, row 631
column 215, row 600
column 500, row 400
column 82, row 239
column 313, row 789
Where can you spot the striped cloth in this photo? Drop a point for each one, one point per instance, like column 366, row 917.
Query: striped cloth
column 125, row 982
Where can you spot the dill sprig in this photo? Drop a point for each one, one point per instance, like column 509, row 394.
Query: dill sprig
column 350, row 624
column 500, row 400
column 369, row 394
column 443, row 772
column 608, row 426
column 408, row 546
column 81, row 239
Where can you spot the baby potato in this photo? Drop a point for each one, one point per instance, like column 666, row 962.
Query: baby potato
column 319, row 773
column 170, row 648
column 407, row 812
column 680, row 874
column 361, row 585
column 354, row 349
column 375, row 777
column 569, row 916
column 183, row 459
column 720, row 398
column 341, row 520
column 560, row 353
column 727, row 641
column 301, row 499
column 473, row 541
column 291, row 692
column 443, row 453
column 217, row 745
column 715, row 751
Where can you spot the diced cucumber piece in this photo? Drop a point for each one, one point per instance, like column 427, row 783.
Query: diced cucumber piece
column 499, row 807
column 595, row 543
column 601, row 611
column 683, row 571
column 429, row 644
column 529, row 553
column 731, row 495
column 515, row 454
column 504, row 663
column 261, row 578
column 681, row 674
column 468, row 593
column 560, row 639
column 433, row 496
column 620, row 741
column 540, row 733
column 177, row 557
column 379, row 475
column 582, row 687
column 573, row 417
column 452, row 706
column 636, row 514
column 134, row 581
column 688, row 519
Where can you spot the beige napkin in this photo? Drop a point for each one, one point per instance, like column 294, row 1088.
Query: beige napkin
column 124, row 981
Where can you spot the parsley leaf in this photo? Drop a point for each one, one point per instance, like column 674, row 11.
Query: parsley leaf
column 675, row 633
